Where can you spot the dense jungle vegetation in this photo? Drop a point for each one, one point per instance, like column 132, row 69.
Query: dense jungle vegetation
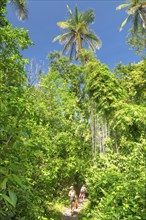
column 78, row 123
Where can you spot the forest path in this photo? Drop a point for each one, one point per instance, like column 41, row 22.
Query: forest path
column 66, row 215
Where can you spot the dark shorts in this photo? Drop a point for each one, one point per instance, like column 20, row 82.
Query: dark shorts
column 72, row 199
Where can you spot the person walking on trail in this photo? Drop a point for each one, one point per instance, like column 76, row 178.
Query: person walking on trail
column 82, row 193
column 72, row 195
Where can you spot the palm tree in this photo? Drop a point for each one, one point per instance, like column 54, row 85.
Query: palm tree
column 136, row 12
column 21, row 8
column 77, row 32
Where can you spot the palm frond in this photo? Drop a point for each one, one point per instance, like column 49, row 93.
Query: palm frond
column 136, row 22
column 134, row 2
column 65, row 38
column 124, row 22
column 91, row 46
column 142, row 14
column 63, row 24
column 72, row 51
column 122, row 6
column 133, row 9
column 88, row 17
column 21, row 9
column 69, row 10
column 84, row 29
column 96, row 42
column 57, row 38
column 61, row 36
column 76, row 15
column 68, row 45
column 93, row 36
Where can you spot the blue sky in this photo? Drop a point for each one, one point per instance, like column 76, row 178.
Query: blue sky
column 42, row 27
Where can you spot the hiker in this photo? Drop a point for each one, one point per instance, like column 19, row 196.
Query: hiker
column 82, row 193
column 72, row 195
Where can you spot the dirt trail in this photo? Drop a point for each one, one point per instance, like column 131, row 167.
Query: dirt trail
column 67, row 214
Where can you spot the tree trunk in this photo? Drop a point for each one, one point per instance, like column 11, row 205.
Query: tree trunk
column 92, row 125
column 99, row 131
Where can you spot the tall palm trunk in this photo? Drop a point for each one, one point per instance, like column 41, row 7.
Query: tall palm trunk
column 79, row 45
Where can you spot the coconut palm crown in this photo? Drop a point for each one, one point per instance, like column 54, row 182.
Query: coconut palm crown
column 77, row 32
column 136, row 13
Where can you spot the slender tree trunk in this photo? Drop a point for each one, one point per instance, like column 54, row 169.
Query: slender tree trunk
column 99, row 131
column 92, row 125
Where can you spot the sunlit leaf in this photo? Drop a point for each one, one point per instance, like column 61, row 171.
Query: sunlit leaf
column 123, row 23
column 122, row 6
column 63, row 24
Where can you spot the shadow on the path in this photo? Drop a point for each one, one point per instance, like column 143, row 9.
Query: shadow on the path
column 67, row 214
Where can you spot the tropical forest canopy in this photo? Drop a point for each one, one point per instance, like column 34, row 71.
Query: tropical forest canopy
column 79, row 123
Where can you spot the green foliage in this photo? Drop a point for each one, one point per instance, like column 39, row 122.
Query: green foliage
column 102, row 85
column 137, row 41
column 129, row 120
column 116, row 186
column 46, row 135
column 116, row 183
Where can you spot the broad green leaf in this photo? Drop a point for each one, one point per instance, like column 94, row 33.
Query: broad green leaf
column 4, row 183
column 13, row 197
column 7, row 199
column 3, row 170
column 17, row 180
